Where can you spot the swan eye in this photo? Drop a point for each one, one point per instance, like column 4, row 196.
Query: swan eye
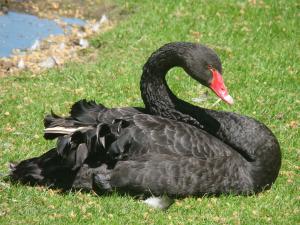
column 211, row 68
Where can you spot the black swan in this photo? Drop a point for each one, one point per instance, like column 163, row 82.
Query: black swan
column 176, row 149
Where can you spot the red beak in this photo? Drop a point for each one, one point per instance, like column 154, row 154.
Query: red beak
column 218, row 86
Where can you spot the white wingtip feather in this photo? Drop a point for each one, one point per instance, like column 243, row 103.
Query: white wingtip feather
column 64, row 130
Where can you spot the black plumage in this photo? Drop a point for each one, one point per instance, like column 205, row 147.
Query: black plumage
column 176, row 148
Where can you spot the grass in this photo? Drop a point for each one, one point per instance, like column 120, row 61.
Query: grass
column 258, row 42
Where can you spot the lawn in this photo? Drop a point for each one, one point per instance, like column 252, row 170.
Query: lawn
column 258, row 42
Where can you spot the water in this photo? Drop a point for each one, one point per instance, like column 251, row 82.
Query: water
column 21, row 31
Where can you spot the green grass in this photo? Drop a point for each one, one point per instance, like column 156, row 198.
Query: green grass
column 259, row 46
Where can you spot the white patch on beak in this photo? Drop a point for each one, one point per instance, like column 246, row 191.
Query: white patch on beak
column 228, row 99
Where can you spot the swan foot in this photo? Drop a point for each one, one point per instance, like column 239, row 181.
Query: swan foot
column 162, row 202
column 102, row 179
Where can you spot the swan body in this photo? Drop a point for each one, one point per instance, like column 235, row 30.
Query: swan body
column 171, row 147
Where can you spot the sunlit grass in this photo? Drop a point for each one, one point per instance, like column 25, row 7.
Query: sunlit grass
column 258, row 43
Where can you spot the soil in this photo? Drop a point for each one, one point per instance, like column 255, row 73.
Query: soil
column 54, row 51
column 51, row 9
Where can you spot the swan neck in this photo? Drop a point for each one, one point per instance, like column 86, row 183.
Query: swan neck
column 155, row 92
column 160, row 100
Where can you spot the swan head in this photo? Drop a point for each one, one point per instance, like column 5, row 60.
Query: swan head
column 204, row 65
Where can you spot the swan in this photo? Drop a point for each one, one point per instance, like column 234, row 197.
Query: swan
column 170, row 147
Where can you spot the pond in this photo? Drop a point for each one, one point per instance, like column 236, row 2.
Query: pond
column 21, row 31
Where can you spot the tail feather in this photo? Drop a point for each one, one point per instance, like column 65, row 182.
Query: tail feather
column 87, row 111
column 83, row 115
column 56, row 126
column 59, row 166
column 36, row 170
column 81, row 140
